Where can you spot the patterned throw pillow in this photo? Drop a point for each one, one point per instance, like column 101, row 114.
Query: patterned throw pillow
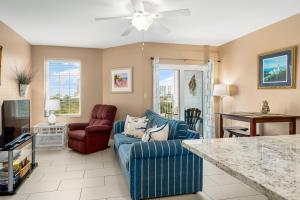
column 135, row 126
column 157, row 133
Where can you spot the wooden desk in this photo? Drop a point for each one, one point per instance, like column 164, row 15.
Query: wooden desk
column 254, row 118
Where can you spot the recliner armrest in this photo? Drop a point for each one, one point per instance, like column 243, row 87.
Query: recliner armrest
column 103, row 128
column 157, row 149
column 77, row 126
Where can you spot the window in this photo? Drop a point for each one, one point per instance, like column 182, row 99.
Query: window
column 175, row 93
column 63, row 84
column 169, row 93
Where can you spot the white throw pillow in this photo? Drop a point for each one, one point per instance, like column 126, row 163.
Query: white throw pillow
column 157, row 133
column 135, row 126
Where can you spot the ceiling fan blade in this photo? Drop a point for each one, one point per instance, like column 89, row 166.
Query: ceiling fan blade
column 150, row 7
column 112, row 18
column 174, row 13
column 138, row 5
column 127, row 31
column 158, row 27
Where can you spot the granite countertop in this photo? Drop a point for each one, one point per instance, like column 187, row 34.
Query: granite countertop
column 269, row 164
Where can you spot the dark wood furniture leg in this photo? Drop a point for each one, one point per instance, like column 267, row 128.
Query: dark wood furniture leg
column 221, row 127
column 252, row 128
column 293, row 127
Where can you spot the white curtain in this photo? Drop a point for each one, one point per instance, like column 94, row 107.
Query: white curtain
column 208, row 118
column 156, row 101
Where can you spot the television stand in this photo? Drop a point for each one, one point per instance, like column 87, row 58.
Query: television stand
column 14, row 179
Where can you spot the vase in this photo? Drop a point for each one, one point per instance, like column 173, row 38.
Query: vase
column 23, row 89
column 265, row 107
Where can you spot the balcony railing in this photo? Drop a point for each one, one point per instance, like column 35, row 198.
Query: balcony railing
column 167, row 109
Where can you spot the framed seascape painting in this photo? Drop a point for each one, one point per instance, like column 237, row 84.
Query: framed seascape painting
column 121, row 80
column 277, row 69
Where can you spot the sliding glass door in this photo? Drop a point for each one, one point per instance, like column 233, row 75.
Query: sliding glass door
column 169, row 93
column 180, row 88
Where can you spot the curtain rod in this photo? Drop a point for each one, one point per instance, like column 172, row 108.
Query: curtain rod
column 185, row 59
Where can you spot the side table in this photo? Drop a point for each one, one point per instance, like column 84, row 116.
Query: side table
column 50, row 135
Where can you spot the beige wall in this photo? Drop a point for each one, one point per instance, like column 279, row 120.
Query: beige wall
column 96, row 74
column 124, row 56
column 16, row 53
column 239, row 67
column 91, row 79
column 140, row 99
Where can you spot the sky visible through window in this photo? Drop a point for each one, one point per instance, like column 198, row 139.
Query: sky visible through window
column 165, row 74
column 166, row 91
column 64, row 84
column 64, row 78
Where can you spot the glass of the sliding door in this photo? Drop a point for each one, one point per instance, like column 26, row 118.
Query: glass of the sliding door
column 169, row 93
column 193, row 92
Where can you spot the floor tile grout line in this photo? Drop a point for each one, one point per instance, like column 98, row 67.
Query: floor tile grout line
column 208, row 195
column 213, row 181
column 60, row 181
column 247, row 196
column 229, row 184
column 84, row 174
column 27, row 197
column 232, row 197
column 80, row 194
column 39, row 192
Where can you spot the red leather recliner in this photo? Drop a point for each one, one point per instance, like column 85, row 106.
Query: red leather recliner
column 93, row 136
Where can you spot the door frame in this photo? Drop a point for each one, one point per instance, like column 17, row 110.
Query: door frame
column 181, row 68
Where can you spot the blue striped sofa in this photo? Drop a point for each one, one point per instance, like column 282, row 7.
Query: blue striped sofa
column 159, row 168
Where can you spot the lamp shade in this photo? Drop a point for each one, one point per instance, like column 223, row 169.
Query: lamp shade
column 52, row 105
column 221, row 90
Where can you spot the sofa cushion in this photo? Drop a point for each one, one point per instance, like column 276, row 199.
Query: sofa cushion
column 124, row 153
column 152, row 118
column 120, row 139
column 177, row 129
column 77, row 135
column 135, row 126
column 157, row 133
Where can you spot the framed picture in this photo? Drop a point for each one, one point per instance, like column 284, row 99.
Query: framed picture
column 121, row 80
column 277, row 69
column 0, row 62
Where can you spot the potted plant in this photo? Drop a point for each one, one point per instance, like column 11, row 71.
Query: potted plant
column 24, row 78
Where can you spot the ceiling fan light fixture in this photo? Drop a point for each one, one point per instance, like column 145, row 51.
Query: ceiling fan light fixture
column 145, row 15
column 142, row 21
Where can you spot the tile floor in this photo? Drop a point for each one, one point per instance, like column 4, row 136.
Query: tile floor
column 66, row 175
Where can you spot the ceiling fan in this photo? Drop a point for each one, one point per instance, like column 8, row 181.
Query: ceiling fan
column 146, row 15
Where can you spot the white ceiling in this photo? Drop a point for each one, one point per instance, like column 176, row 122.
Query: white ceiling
column 71, row 22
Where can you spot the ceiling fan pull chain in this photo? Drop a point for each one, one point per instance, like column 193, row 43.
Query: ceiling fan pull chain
column 143, row 40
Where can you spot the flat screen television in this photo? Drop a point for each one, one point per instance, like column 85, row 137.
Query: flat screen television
column 15, row 120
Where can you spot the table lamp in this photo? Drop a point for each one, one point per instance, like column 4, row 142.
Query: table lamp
column 52, row 105
column 221, row 90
